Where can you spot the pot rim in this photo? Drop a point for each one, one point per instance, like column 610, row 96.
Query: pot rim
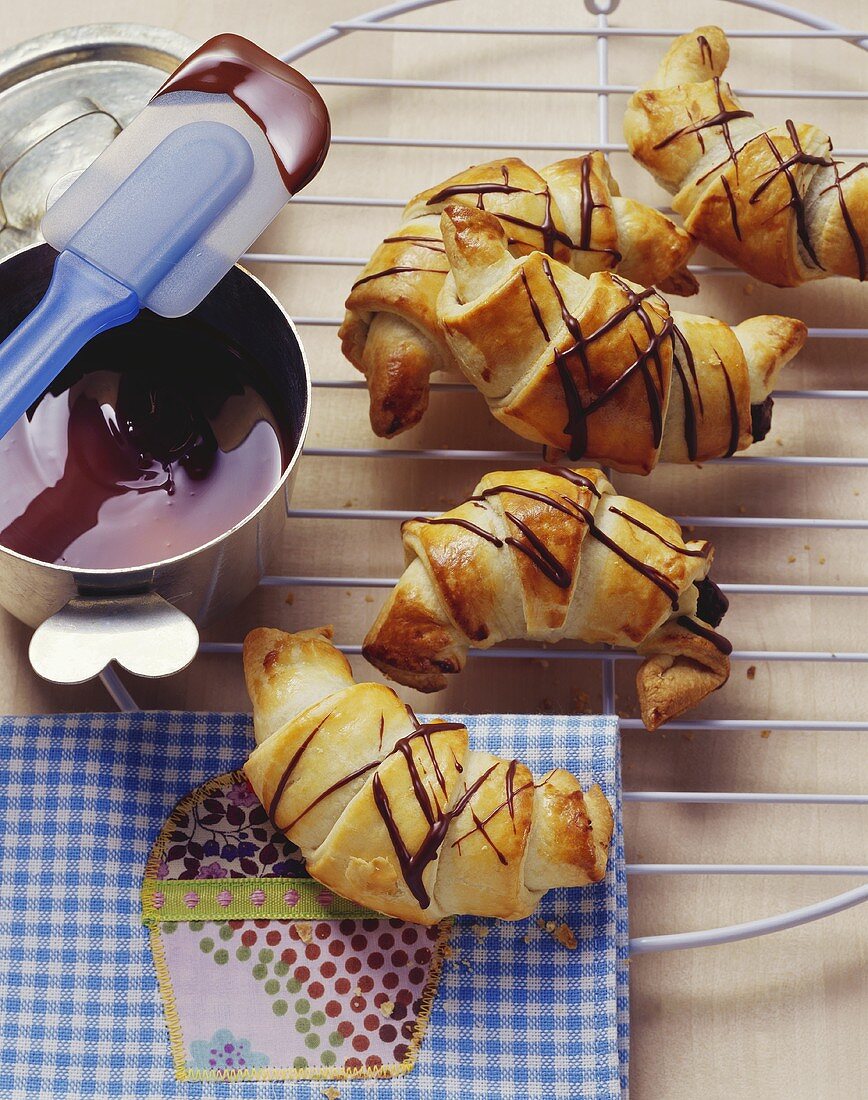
column 135, row 572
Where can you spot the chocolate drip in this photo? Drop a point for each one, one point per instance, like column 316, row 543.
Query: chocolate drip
column 510, row 790
column 478, row 189
column 397, row 271
column 797, row 202
column 703, row 553
column 537, row 316
column 479, row 826
column 588, row 206
column 465, row 523
column 717, row 640
column 413, row 866
column 531, row 494
column 289, row 769
column 711, row 604
column 733, row 410
column 282, row 103
column 690, row 420
column 381, row 732
column 705, row 49
column 722, row 119
column 574, row 478
column 433, row 244
column 761, row 419
column 733, row 212
column 539, row 554
column 329, row 790
column 858, row 247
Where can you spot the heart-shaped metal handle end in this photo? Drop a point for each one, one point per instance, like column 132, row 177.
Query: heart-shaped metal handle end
column 142, row 633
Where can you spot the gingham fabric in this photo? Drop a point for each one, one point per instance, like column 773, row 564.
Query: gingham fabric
column 82, row 799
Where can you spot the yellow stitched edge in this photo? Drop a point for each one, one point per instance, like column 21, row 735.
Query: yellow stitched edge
column 272, row 1073
column 170, row 1007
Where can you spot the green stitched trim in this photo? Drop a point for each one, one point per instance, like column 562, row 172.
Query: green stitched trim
column 244, row 899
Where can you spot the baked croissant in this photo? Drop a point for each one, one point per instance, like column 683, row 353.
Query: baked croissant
column 773, row 200
column 401, row 816
column 601, row 368
column 571, row 210
column 550, row 554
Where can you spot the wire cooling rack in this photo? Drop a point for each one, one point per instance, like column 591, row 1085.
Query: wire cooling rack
column 799, row 26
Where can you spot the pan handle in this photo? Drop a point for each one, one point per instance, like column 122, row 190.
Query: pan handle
column 143, row 633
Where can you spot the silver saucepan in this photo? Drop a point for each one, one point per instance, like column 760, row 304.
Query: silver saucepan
column 145, row 618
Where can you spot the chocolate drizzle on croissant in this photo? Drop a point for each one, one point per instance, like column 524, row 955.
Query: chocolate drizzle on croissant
column 580, row 563
column 601, row 368
column 760, row 196
column 571, row 210
column 401, row 815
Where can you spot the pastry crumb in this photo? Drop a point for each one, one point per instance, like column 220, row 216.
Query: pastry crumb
column 562, row 933
column 466, row 964
column 387, row 1008
column 480, row 931
column 741, row 509
column 331, row 1093
column 807, row 547
column 688, row 735
column 751, row 672
column 449, row 952
column 369, row 598
column 347, row 504
column 305, row 931
column 790, row 559
column 526, row 937
column 289, row 598
column 779, row 442
column 765, row 733
column 748, row 288
column 822, row 560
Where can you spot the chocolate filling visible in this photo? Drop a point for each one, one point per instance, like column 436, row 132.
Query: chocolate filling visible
column 711, row 605
column 761, row 419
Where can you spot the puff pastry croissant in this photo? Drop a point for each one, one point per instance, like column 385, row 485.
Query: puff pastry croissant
column 600, row 368
column 571, row 210
column 773, row 200
column 550, row 554
column 402, row 816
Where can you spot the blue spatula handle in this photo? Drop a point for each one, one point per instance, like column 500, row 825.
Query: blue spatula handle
column 80, row 303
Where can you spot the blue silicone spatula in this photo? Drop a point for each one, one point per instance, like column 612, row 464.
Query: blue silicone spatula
column 161, row 216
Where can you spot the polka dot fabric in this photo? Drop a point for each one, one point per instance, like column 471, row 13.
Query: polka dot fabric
column 83, row 797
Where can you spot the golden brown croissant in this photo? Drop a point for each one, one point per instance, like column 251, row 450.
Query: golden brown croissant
column 600, row 368
column 774, row 200
column 403, row 817
column 550, row 554
column 571, row 210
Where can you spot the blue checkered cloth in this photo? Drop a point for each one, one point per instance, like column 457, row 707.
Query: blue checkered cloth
column 82, row 800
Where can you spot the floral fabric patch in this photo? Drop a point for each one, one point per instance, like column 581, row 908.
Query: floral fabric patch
column 263, row 972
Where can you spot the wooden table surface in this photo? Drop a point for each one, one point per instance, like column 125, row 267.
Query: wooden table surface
column 781, row 1016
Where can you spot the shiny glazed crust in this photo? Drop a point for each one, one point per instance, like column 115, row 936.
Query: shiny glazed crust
column 325, row 771
column 473, row 578
column 599, row 367
column 572, row 209
column 773, row 200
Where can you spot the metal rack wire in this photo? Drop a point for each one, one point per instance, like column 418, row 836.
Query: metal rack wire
column 811, row 27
